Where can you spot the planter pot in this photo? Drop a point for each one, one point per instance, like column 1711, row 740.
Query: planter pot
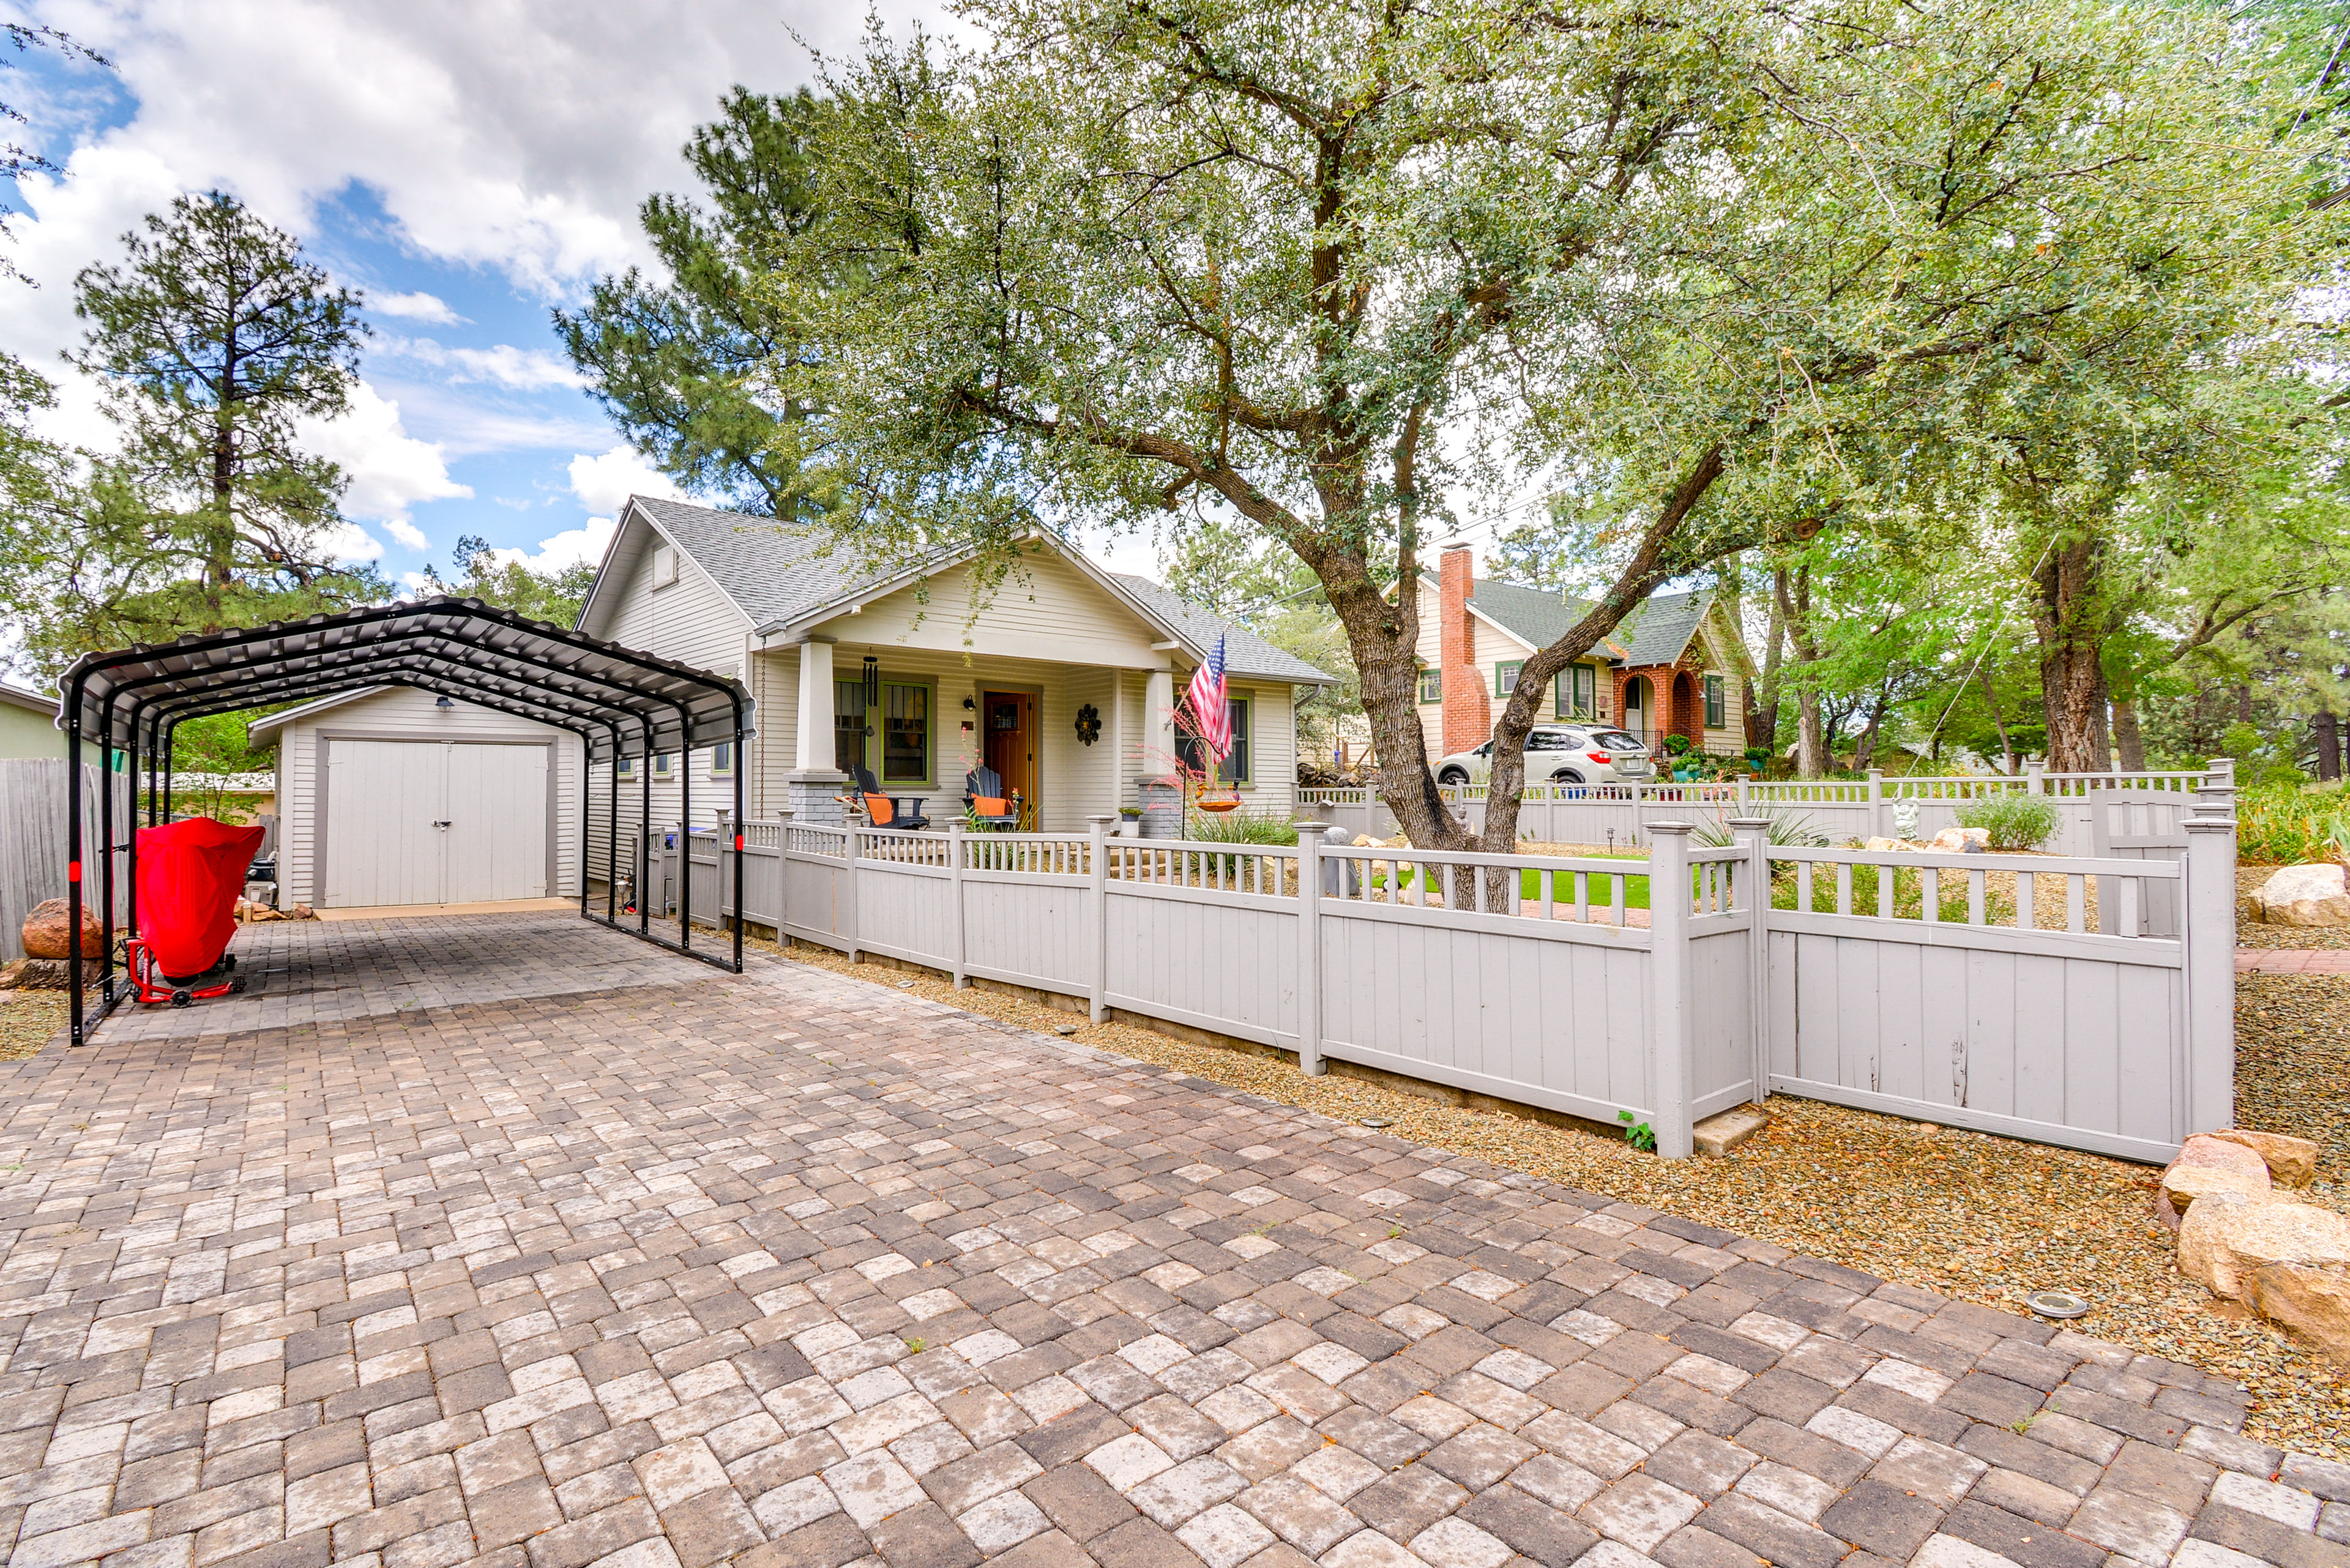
column 1130, row 827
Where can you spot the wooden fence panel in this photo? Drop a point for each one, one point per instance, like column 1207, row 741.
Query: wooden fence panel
column 35, row 848
column 1542, row 1012
column 1027, row 929
column 906, row 912
column 1721, row 1016
column 1213, row 960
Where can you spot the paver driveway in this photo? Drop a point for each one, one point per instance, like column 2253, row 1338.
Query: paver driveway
column 792, row 1269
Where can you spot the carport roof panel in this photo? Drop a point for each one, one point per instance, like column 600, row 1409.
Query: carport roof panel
column 569, row 673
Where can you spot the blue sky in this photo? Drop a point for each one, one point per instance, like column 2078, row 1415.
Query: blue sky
column 469, row 168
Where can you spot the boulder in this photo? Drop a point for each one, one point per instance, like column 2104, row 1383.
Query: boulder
column 45, row 974
column 2305, row 895
column 2292, row 1161
column 48, row 935
column 1963, row 841
column 2209, row 1165
column 2228, row 1237
column 2312, row 1302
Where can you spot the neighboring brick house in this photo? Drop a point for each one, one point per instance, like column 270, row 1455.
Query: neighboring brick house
column 1675, row 666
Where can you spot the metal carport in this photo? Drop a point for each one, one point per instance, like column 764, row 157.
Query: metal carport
column 621, row 703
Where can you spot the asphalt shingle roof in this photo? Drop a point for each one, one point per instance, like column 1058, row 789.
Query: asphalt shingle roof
column 1658, row 631
column 778, row 572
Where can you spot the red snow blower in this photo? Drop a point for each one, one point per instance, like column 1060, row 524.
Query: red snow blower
column 190, row 875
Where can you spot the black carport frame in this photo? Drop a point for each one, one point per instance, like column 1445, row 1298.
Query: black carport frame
column 621, row 703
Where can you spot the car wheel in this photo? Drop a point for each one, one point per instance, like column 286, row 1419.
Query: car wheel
column 1566, row 775
column 1452, row 778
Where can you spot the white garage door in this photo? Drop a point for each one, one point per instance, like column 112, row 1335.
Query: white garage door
column 433, row 822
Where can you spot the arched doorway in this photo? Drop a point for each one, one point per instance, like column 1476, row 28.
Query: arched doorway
column 1684, row 719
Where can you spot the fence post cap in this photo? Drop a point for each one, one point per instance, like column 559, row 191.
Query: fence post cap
column 2209, row 825
column 1306, row 826
column 1741, row 822
column 1676, row 829
column 1101, row 817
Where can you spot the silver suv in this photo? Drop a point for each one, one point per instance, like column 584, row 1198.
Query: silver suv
column 1560, row 754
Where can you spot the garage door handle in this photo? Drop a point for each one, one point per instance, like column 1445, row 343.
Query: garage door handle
column 439, row 824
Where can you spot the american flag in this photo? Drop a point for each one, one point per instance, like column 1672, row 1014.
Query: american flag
column 1208, row 712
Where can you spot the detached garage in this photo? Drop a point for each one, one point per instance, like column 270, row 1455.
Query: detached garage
column 393, row 796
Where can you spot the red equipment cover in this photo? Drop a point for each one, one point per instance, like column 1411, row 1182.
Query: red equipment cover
column 190, row 875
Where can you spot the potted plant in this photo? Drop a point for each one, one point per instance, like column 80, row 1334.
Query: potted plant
column 1129, row 821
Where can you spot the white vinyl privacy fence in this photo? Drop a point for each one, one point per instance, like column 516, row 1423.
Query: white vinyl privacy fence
column 1835, row 809
column 2082, row 1001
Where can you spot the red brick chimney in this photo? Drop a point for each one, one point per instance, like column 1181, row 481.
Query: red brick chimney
column 1468, row 710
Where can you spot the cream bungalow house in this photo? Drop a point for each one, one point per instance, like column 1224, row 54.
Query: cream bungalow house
column 1062, row 678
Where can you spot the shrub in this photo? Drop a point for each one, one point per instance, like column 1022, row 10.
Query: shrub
column 2014, row 821
column 1239, row 827
column 1677, row 745
column 2280, row 826
column 1788, row 829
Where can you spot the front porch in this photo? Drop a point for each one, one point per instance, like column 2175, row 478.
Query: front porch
column 1067, row 740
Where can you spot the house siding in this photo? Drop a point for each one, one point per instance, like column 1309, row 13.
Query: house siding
column 1045, row 601
column 406, row 713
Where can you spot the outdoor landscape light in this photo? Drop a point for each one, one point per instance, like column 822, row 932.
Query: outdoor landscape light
column 2057, row 1304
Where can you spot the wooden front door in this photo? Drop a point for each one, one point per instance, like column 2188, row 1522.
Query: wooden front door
column 1010, row 747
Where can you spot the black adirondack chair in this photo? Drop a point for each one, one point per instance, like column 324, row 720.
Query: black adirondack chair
column 886, row 810
column 990, row 807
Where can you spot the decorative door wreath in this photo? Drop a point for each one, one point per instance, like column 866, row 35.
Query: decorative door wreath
column 1089, row 724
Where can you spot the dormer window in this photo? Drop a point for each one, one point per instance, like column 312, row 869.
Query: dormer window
column 664, row 564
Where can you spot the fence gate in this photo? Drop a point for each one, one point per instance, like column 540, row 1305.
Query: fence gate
column 2091, row 1026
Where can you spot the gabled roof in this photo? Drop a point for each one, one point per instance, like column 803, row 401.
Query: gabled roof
column 1656, row 631
column 780, row 575
column 1245, row 653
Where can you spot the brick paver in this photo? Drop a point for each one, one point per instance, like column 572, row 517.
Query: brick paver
column 795, row 1271
column 2292, row 961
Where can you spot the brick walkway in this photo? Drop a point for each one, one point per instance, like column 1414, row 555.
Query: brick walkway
column 2292, row 961
column 301, row 971
column 800, row 1273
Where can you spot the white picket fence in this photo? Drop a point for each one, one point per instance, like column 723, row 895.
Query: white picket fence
column 1576, row 984
column 1837, row 809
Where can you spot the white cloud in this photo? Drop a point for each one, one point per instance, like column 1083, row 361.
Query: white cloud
column 523, row 370
column 568, row 548
column 604, row 483
column 407, row 533
column 347, row 541
column 521, row 137
column 389, row 469
column 417, row 307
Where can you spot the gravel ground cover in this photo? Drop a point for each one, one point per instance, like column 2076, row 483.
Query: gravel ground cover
column 27, row 1019
column 1977, row 1218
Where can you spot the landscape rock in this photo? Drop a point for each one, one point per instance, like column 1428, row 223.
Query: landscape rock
column 2209, row 1165
column 2292, row 1161
column 45, row 974
column 2305, row 895
column 2313, row 1302
column 48, row 935
column 2228, row 1237
column 1963, row 841
column 1719, row 1135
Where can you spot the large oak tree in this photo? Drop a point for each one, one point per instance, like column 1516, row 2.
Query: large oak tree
column 1343, row 269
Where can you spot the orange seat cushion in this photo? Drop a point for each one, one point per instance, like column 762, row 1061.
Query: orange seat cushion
column 991, row 805
column 879, row 811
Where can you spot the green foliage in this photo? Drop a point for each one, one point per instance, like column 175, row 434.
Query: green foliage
column 1239, row 827
column 1229, row 569
column 2284, row 824
column 1640, row 1135
column 214, row 340
column 215, row 745
column 1787, row 828
column 1677, row 745
column 1333, row 268
column 2014, row 821
column 682, row 365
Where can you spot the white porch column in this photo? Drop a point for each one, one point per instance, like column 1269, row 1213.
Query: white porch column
column 1158, row 723
column 810, row 788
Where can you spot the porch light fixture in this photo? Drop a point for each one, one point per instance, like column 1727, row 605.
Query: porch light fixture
column 443, row 703
column 872, row 682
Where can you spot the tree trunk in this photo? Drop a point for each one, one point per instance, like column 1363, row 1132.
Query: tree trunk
column 2125, row 735
column 2329, row 745
column 1762, row 696
column 1864, row 751
column 1999, row 721
column 2072, row 680
column 1811, row 743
